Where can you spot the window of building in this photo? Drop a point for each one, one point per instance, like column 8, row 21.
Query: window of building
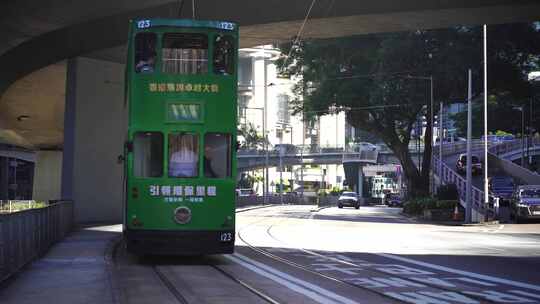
column 243, row 101
column 217, row 155
column 145, row 52
column 185, row 53
column 148, row 154
column 224, row 55
column 284, row 116
column 183, row 155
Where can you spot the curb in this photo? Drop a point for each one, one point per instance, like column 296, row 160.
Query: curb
column 237, row 210
column 110, row 265
column 319, row 208
column 448, row 223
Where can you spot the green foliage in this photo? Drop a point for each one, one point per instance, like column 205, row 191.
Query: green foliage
column 335, row 191
column 502, row 133
column 417, row 206
column 447, row 192
column 382, row 79
column 447, row 204
column 503, row 117
column 21, row 205
column 251, row 138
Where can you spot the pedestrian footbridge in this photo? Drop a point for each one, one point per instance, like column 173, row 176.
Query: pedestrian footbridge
column 500, row 156
column 256, row 159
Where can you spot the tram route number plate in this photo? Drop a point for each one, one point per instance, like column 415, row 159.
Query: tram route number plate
column 225, row 236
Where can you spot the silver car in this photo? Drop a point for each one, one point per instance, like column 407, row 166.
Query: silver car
column 526, row 202
column 349, row 199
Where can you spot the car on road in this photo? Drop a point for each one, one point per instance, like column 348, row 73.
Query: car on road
column 285, row 149
column 461, row 164
column 245, row 192
column 393, row 200
column 349, row 199
column 501, row 186
column 526, row 203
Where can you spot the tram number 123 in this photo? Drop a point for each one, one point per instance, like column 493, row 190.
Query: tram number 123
column 225, row 237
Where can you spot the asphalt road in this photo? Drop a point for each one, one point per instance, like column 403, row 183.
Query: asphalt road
column 478, row 179
column 291, row 254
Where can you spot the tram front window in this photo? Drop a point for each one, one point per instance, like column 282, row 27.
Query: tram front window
column 145, row 52
column 185, row 53
column 223, row 55
column 148, row 154
column 217, row 155
column 183, row 155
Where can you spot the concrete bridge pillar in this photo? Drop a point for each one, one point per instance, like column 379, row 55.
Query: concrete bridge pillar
column 94, row 130
column 355, row 176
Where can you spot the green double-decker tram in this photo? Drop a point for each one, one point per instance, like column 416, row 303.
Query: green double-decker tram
column 180, row 162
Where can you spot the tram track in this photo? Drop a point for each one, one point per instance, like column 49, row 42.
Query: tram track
column 249, row 287
column 169, row 285
column 347, row 263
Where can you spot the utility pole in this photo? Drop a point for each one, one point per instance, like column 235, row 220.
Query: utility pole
column 468, row 196
column 486, row 185
column 266, row 160
column 522, row 137
column 441, row 141
column 431, row 134
column 302, row 157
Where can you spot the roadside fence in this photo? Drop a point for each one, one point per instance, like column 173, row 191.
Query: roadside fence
column 28, row 234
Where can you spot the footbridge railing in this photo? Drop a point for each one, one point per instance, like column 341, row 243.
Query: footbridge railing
column 448, row 175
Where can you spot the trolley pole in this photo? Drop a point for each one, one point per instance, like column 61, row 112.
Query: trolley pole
column 265, row 198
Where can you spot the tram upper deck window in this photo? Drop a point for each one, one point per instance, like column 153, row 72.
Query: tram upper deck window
column 148, row 154
column 183, row 155
column 185, row 53
column 145, row 52
column 223, row 55
column 217, row 155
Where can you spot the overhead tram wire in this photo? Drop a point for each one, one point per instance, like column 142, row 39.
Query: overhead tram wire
column 180, row 6
column 299, row 34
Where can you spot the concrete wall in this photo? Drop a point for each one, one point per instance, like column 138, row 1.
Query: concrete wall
column 95, row 99
column 47, row 176
column 516, row 171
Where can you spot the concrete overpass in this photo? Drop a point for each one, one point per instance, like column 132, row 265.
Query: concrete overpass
column 62, row 67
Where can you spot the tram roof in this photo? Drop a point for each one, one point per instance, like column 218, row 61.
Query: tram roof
column 143, row 23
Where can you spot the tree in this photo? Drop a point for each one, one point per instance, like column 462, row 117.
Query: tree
column 251, row 138
column 382, row 79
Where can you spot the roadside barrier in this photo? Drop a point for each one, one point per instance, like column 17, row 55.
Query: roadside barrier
column 28, row 234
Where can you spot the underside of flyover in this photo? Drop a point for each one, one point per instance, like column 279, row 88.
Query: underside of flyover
column 38, row 36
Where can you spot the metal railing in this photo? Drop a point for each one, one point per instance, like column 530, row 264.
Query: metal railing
column 320, row 149
column 449, row 176
column 28, row 234
column 512, row 146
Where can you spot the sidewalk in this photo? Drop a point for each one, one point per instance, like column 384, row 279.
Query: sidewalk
column 76, row 270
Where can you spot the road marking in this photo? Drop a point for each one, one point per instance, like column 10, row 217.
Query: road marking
column 462, row 272
column 312, row 291
column 524, row 293
column 431, row 297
